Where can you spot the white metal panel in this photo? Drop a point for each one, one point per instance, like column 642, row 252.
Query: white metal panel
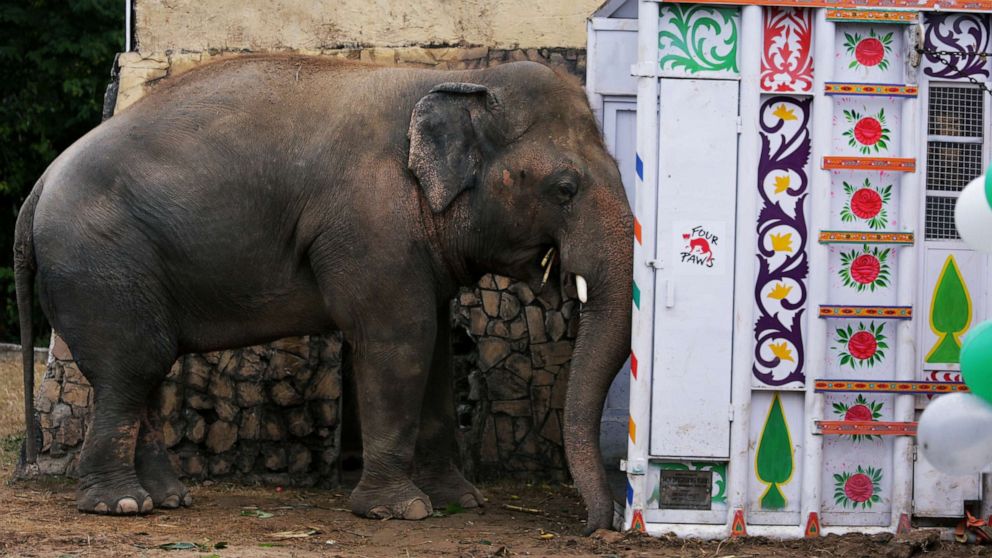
column 616, row 52
column 697, row 194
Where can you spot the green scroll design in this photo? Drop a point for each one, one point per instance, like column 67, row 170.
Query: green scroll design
column 698, row 38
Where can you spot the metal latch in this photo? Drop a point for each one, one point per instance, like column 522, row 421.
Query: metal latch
column 634, row 466
column 655, row 264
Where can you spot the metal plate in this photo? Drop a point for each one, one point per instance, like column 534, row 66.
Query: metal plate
column 686, row 490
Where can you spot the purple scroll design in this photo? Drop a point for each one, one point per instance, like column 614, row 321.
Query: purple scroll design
column 956, row 32
column 791, row 154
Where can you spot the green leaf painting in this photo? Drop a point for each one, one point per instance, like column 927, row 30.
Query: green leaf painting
column 698, row 38
column 950, row 314
column 774, row 461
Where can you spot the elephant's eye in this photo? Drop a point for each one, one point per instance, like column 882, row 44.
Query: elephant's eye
column 567, row 190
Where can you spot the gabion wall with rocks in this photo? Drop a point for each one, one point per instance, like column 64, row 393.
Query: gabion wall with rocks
column 272, row 413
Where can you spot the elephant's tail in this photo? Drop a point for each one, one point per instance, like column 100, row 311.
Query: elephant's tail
column 24, row 273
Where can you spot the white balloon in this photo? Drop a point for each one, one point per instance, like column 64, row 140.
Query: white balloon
column 955, row 433
column 973, row 216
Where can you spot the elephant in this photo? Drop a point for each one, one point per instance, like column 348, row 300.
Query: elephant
column 265, row 196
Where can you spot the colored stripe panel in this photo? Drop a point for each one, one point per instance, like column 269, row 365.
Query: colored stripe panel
column 637, row 297
column 639, row 166
column 865, row 237
column 632, row 429
column 637, row 230
column 858, row 386
column 633, row 365
column 864, row 427
column 955, row 5
column 873, row 16
column 871, row 89
column 889, row 312
column 630, row 493
column 894, row 164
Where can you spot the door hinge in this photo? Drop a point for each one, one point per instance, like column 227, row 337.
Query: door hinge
column 655, row 264
column 740, row 125
column 916, row 454
column 634, row 466
column 644, row 69
column 730, row 413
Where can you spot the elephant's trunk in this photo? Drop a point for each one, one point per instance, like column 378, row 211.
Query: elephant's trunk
column 601, row 348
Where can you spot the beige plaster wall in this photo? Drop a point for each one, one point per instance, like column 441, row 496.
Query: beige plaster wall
column 195, row 25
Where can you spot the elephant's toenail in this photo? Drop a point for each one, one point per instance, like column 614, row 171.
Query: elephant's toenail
column 101, row 508
column 148, row 505
column 417, row 509
column 380, row 512
column 187, row 500
column 127, row 505
column 469, row 501
column 171, row 502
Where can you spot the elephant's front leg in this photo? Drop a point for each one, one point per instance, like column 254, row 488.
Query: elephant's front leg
column 391, row 370
column 436, row 464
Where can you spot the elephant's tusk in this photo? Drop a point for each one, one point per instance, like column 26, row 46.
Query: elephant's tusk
column 546, row 262
column 581, row 288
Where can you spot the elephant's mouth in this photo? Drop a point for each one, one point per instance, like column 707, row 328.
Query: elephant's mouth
column 550, row 266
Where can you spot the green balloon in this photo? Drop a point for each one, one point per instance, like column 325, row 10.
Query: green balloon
column 976, row 360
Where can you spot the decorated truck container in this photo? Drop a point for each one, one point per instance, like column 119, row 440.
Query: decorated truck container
column 800, row 290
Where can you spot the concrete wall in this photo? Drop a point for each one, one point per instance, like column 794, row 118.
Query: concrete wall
column 232, row 25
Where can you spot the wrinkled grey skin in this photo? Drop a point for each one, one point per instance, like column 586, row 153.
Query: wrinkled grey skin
column 265, row 197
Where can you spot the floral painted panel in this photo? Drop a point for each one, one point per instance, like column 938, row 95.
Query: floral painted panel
column 698, row 40
column 963, row 33
column 783, row 266
column 787, row 58
column 869, row 53
column 865, row 201
column 867, row 126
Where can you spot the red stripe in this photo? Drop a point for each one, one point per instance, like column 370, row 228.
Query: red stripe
column 633, row 365
column 637, row 230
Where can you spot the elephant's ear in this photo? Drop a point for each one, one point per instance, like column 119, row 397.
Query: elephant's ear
column 447, row 140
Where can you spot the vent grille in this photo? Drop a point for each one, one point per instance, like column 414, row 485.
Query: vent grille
column 955, row 111
column 952, row 165
column 940, row 218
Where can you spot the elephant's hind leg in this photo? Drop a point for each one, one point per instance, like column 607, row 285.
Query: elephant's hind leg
column 123, row 361
column 436, row 462
column 151, row 462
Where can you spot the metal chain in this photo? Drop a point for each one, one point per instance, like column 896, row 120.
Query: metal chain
column 941, row 55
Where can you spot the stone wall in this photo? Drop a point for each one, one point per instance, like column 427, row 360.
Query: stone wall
column 267, row 25
column 272, row 413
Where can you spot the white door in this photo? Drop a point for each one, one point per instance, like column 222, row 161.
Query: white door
column 697, row 196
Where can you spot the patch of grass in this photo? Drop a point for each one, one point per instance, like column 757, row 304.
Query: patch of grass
column 10, row 450
column 12, row 397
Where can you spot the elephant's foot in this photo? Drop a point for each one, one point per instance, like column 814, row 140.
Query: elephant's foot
column 394, row 501
column 113, row 495
column 165, row 488
column 449, row 487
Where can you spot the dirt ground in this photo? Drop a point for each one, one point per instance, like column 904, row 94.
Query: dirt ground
column 38, row 518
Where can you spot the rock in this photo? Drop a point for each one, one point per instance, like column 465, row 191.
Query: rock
column 198, row 401
column 60, row 412
column 518, row 328
column 491, row 352
column 221, row 386
column 274, row 458
column 554, row 323
column 71, row 432
column 298, row 421
column 522, row 291
column 497, row 328
column 477, row 322
column 520, row 366
column 285, row 395
column 551, row 430
column 249, row 394
column 535, row 324
column 226, row 410
column 488, row 446
column 487, row 282
column 71, row 373
column 221, row 464
column 197, row 372
column 330, row 348
column 551, row 353
column 502, row 384
column 518, row 408
column 299, row 458
column 250, row 426
column 196, row 427
column 60, row 351
column 467, row 298
column 543, row 378
column 221, row 436
column 509, row 306
column 272, row 428
column 325, row 385
column 490, row 303
column 75, row 394
column 48, row 395
column 298, row 346
column 283, row 365
column 169, row 398
column 325, row 413
column 170, row 434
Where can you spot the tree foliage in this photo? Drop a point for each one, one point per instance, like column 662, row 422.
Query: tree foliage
column 55, row 61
